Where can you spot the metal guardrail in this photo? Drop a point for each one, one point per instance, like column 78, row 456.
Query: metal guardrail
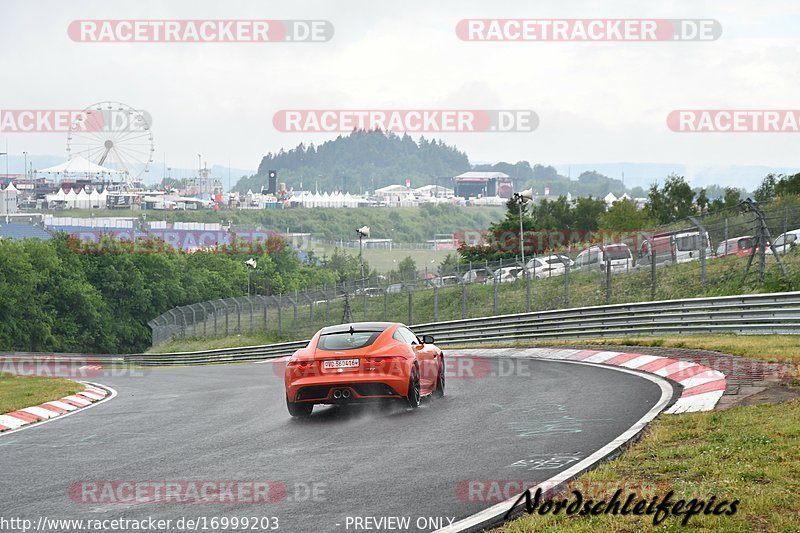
column 773, row 313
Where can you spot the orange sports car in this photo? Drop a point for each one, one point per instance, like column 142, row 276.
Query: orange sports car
column 363, row 361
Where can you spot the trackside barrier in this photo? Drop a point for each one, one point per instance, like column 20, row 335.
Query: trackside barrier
column 773, row 313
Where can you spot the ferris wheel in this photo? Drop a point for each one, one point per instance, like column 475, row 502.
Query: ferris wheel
column 113, row 135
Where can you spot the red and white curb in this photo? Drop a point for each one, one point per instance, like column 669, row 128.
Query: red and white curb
column 91, row 395
column 702, row 386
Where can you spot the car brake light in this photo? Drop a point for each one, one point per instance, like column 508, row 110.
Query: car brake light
column 301, row 364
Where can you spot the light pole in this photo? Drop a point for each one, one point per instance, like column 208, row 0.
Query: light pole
column 26, row 163
column 362, row 232
column 522, row 198
column 252, row 264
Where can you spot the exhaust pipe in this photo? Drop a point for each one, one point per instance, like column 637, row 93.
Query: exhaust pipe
column 346, row 393
column 337, row 394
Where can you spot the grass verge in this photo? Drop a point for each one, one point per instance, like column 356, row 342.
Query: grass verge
column 192, row 345
column 18, row 392
column 747, row 453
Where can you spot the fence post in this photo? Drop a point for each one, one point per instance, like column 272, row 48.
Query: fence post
column 385, row 305
column 280, row 314
column 264, row 305
column 251, row 314
column 238, row 316
column 566, row 285
column 435, row 304
column 227, row 319
column 608, row 281
column 527, row 289
column 464, row 300
column 294, row 310
column 494, row 291
column 409, row 306
column 653, row 285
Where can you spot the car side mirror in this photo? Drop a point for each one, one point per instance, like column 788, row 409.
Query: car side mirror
column 427, row 339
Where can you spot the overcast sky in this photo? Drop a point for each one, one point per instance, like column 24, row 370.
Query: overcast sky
column 597, row 102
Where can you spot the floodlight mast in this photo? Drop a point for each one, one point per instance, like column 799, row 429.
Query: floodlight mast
column 522, row 198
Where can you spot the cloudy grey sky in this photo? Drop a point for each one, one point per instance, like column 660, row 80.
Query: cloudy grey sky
column 597, row 102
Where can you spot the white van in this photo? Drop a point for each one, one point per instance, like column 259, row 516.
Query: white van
column 786, row 242
column 595, row 257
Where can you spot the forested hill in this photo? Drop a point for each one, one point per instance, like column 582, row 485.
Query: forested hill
column 360, row 161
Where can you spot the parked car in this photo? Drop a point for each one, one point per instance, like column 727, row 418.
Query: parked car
column 737, row 246
column 445, row 281
column 476, row 275
column 595, row 257
column 507, row 274
column 551, row 265
column 671, row 248
column 395, row 288
column 786, row 242
column 370, row 291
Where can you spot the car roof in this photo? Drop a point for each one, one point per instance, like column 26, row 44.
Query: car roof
column 357, row 326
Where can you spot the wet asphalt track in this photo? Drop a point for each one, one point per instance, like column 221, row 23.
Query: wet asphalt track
column 230, row 423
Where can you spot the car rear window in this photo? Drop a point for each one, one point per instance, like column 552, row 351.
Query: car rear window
column 688, row 243
column 745, row 243
column 347, row 341
column 617, row 252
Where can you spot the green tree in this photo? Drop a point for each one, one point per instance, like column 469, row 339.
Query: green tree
column 407, row 269
column 675, row 201
column 448, row 266
column 623, row 215
column 766, row 191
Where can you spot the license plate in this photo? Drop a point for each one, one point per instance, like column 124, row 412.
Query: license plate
column 340, row 363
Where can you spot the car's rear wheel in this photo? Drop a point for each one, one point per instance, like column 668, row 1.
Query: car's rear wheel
column 413, row 397
column 439, row 392
column 299, row 409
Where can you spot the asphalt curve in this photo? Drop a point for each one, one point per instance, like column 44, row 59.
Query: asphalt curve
column 443, row 461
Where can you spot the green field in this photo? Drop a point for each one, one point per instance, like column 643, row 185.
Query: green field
column 18, row 392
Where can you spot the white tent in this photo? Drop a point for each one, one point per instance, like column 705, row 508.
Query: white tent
column 79, row 165
column 83, row 200
column 94, row 198
column 71, row 198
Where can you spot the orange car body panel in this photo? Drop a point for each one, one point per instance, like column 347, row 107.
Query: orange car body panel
column 387, row 362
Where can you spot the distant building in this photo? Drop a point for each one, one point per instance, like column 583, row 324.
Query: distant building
column 434, row 191
column 483, row 184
